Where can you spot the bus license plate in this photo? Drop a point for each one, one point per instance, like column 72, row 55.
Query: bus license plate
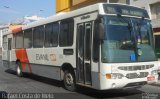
column 150, row 78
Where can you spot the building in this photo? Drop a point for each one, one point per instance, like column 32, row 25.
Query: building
column 26, row 20
column 153, row 8
column 16, row 24
column 70, row 5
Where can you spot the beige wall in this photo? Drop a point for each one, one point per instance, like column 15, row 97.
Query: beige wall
column 69, row 5
column 75, row 2
column 119, row 1
column 144, row 4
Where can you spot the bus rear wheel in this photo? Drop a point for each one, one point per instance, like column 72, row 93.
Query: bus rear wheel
column 19, row 70
column 69, row 81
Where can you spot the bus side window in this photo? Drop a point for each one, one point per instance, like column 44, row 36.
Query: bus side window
column 28, row 38
column 14, row 41
column 51, row 34
column 96, row 42
column 19, row 40
column 66, row 33
column 38, row 37
column 5, row 42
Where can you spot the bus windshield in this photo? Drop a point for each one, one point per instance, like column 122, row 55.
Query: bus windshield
column 124, row 42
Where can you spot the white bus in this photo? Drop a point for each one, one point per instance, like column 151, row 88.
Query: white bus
column 102, row 46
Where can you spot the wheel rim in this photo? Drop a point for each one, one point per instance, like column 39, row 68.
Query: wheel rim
column 69, row 79
column 18, row 70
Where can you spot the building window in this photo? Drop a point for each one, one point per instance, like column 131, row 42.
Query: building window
column 158, row 12
column 51, row 34
column 19, row 40
column 28, row 38
column 66, row 33
column 38, row 37
column 120, row 1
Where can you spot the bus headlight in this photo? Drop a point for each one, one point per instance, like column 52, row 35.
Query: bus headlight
column 154, row 72
column 117, row 76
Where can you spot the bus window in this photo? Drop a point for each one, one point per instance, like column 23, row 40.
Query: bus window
column 5, row 42
column 96, row 42
column 19, row 40
column 28, row 38
column 66, row 34
column 14, row 41
column 51, row 35
column 38, row 37
column 88, row 30
column 157, row 45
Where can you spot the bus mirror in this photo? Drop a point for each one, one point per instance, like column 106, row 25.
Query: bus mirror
column 101, row 31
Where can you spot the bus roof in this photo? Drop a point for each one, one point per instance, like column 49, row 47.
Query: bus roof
column 65, row 15
column 96, row 7
column 92, row 8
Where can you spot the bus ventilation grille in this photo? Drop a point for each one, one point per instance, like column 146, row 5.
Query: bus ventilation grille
column 136, row 75
column 135, row 68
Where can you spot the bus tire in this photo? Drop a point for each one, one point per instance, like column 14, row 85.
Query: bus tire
column 69, row 81
column 19, row 70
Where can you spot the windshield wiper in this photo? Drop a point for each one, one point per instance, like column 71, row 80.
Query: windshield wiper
column 126, row 21
column 139, row 25
column 138, row 39
column 133, row 44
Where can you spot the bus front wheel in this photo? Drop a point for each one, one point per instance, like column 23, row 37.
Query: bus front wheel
column 69, row 81
column 19, row 70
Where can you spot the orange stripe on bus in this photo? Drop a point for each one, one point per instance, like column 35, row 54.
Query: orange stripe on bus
column 21, row 54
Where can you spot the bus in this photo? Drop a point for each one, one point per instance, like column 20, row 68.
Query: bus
column 101, row 46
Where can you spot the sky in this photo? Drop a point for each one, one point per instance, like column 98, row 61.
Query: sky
column 13, row 9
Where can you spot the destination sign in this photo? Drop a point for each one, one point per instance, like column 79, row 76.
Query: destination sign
column 125, row 10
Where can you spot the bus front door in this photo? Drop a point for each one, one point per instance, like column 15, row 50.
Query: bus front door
column 84, row 38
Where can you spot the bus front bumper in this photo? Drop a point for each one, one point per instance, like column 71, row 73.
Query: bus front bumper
column 107, row 84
